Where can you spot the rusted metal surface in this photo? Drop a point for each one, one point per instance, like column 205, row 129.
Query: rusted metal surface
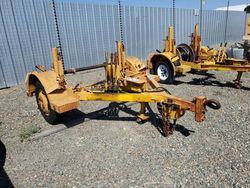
column 167, row 127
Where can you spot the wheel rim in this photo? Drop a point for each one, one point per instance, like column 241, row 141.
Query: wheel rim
column 162, row 72
column 43, row 102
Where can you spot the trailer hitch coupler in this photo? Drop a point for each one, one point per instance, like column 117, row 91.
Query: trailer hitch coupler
column 200, row 108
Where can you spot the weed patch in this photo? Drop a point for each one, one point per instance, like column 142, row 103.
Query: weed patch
column 28, row 132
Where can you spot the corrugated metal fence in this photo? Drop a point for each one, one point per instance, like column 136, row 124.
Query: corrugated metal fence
column 28, row 32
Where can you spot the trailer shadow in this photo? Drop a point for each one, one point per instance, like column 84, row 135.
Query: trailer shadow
column 75, row 117
column 209, row 80
column 207, row 77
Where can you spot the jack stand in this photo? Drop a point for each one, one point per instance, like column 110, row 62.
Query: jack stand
column 167, row 128
column 142, row 117
column 237, row 81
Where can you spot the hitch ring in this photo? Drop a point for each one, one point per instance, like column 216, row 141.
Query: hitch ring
column 212, row 103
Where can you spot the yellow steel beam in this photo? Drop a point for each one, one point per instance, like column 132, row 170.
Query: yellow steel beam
column 217, row 67
column 196, row 40
column 240, row 68
column 137, row 97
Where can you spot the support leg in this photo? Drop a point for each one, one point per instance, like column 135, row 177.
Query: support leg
column 142, row 117
column 237, row 81
column 167, row 128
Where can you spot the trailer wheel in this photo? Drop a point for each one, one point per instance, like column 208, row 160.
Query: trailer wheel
column 165, row 73
column 43, row 104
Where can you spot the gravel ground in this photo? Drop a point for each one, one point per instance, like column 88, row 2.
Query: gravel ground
column 101, row 151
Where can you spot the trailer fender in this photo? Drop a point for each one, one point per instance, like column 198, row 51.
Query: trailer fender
column 48, row 80
column 167, row 57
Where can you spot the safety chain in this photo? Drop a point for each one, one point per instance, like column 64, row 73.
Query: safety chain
column 120, row 16
column 58, row 33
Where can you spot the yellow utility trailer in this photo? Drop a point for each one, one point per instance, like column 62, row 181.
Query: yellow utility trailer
column 166, row 64
column 126, row 80
column 203, row 58
column 195, row 57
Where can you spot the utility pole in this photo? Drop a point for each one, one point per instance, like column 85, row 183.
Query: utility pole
column 120, row 19
column 174, row 17
column 225, row 33
column 201, row 6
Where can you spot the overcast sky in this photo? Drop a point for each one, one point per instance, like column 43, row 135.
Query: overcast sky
column 189, row 4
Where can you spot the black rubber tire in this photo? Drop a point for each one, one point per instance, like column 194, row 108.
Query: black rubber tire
column 52, row 117
column 170, row 78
